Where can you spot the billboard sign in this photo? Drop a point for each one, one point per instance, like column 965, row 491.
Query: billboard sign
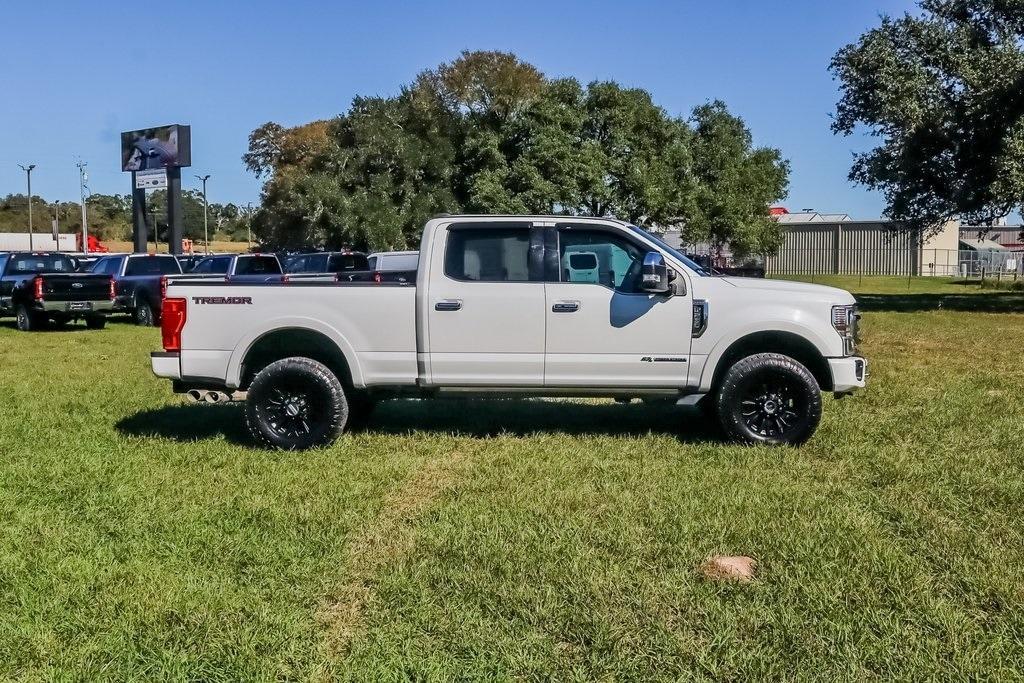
column 151, row 180
column 156, row 148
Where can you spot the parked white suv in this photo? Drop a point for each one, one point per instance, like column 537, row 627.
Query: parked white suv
column 523, row 306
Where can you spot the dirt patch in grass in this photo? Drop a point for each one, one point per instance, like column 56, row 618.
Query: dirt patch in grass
column 388, row 538
column 738, row 568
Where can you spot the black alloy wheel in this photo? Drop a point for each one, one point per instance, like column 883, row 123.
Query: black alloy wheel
column 769, row 398
column 296, row 403
column 144, row 315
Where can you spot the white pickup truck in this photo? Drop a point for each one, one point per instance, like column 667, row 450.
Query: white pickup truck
column 520, row 306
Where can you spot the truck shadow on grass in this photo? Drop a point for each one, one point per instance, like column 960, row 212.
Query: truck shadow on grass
column 457, row 417
column 981, row 302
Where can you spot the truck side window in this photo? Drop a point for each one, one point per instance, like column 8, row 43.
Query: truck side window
column 488, row 254
column 600, row 257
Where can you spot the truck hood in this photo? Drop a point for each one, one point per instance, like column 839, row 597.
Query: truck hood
column 820, row 292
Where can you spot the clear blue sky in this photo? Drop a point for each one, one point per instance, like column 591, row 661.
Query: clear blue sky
column 74, row 74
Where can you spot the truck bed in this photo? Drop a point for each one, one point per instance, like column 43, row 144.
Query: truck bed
column 376, row 322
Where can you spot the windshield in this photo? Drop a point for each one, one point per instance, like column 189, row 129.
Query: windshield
column 688, row 262
column 41, row 263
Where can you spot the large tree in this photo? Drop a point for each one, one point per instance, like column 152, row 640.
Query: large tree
column 734, row 182
column 488, row 133
column 943, row 90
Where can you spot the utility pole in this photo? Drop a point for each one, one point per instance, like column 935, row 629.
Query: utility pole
column 28, row 175
column 82, row 178
column 206, row 226
column 56, row 224
column 248, row 222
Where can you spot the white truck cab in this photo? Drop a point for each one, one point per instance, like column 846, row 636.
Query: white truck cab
column 518, row 305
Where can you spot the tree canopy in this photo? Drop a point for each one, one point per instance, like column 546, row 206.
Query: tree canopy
column 110, row 215
column 943, row 90
column 488, row 133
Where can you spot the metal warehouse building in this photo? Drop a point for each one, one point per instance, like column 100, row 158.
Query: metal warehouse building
column 865, row 248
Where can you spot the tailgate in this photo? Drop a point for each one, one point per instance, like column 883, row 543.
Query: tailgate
column 76, row 287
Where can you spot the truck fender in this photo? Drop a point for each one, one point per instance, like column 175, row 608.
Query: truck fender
column 759, row 327
column 234, row 374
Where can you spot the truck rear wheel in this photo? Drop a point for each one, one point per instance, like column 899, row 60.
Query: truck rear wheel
column 27, row 320
column 295, row 404
column 143, row 315
column 769, row 398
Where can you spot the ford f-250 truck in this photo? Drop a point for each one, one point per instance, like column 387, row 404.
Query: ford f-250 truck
column 521, row 306
column 38, row 287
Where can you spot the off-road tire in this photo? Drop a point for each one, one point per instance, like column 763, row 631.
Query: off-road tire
column 768, row 398
column 296, row 403
column 143, row 315
column 95, row 322
column 28, row 320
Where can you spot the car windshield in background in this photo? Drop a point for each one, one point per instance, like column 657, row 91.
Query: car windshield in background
column 690, row 263
column 257, row 265
column 30, row 263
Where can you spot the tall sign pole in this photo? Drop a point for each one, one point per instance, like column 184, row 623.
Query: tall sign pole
column 175, row 213
column 139, row 237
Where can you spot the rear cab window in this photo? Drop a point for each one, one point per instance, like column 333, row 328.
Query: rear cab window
column 217, row 265
column 152, row 265
column 40, row 263
column 340, row 263
column 257, row 265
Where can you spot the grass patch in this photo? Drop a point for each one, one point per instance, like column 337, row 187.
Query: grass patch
column 144, row 538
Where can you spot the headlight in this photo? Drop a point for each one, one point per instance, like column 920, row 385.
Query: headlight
column 844, row 319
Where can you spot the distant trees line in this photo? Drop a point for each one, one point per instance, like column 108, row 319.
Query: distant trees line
column 489, row 133
column 110, row 216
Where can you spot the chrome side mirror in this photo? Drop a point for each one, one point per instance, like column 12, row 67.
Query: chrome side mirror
column 655, row 274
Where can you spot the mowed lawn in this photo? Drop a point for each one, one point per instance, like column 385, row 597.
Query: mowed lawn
column 144, row 538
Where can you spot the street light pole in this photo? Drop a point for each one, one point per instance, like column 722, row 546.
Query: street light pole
column 206, row 226
column 82, row 177
column 28, row 175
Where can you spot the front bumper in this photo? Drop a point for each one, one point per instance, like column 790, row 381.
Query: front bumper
column 166, row 364
column 75, row 307
column 848, row 374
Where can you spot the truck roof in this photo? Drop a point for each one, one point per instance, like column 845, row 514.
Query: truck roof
column 522, row 217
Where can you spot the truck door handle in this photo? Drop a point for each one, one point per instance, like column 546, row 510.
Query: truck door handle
column 448, row 305
column 565, row 307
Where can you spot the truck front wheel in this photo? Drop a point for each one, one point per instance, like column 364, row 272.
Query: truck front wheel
column 769, row 398
column 295, row 404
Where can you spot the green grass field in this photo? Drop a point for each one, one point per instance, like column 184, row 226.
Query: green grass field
column 144, row 538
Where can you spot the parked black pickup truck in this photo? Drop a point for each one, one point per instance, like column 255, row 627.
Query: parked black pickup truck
column 39, row 287
column 137, row 282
